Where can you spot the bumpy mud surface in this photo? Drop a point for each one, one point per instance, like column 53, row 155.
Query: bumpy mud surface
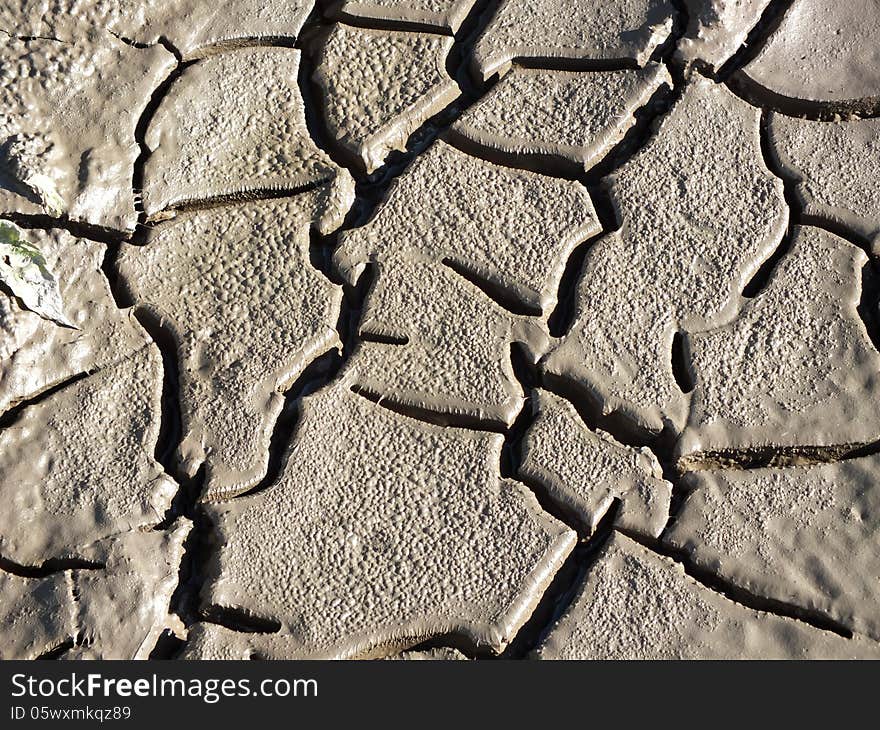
column 443, row 329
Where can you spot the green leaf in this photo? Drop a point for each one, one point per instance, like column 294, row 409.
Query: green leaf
column 24, row 270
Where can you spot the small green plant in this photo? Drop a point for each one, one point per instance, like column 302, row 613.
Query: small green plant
column 24, row 270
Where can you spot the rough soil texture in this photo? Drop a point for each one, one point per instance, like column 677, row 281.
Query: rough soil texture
column 442, row 330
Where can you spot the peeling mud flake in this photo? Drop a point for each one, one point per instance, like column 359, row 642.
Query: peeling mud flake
column 247, row 312
column 232, row 126
column 717, row 29
column 68, row 112
column 511, row 228
column 78, row 466
column 36, row 615
column 700, row 212
column 382, row 532
column 192, row 27
column 554, row 32
column 443, row 345
column 636, row 604
column 122, row 609
column 586, row 471
column 804, row 536
column 561, row 120
column 831, row 163
column 36, row 354
column 379, row 86
column 444, row 15
column 824, row 53
column 796, row 369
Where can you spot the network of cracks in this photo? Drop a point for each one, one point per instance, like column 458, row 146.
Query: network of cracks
column 450, row 329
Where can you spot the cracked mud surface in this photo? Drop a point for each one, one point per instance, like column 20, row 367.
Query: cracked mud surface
column 443, row 330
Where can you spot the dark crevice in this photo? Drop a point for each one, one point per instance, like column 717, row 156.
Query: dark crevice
column 759, row 96
column 528, row 377
column 241, row 620
column 586, row 65
column 140, row 135
column 648, row 119
column 552, row 605
column 161, row 41
column 562, row 591
column 678, row 497
column 11, row 416
column 562, row 512
column 387, row 24
column 87, row 231
column 524, row 368
column 869, row 303
column 620, row 428
column 380, row 338
column 48, row 567
column 320, row 371
column 320, row 255
column 549, row 164
column 568, row 578
column 762, row 276
column 511, row 450
column 118, row 290
column 838, row 229
column 857, row 452
column 767, row 24
column 426, row 415
column 684, row 378
column 372, row 189
column 30, row 38
column 606, row 210
column 192, row 571
column 716, row 584
column 617, row 424
column 171, row 425
column 56, row 652
column 499, row 294
column 458, row 61
column 681, row 19
column 167, row 646
column 185, row 503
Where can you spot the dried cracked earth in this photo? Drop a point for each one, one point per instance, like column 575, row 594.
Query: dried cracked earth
column 443, row 329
